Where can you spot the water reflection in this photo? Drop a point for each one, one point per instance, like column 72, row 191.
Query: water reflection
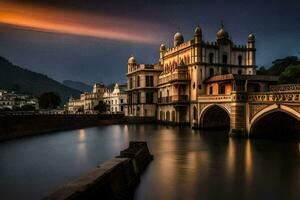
column 188, row 164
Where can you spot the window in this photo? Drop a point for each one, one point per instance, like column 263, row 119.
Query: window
column 239, row 72
column 121, row 100
column 138, row 81
column 224, row 59
column 222, row 89
column 211, row 72
column 145, row 112
column 149, row 97
column 122, row 109
column 211, row 58
column 138, row 97
column 240, row 58
column 194, row 85
column 149, row 81
column 210, row 90
column 130, row 83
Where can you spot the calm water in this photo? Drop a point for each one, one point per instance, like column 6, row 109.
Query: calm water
column 188, row 164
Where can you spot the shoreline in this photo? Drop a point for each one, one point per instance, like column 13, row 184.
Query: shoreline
column 19, row 126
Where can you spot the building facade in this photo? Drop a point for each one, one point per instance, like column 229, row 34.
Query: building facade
column 115, row 99
column 87, row 101
column 193, row 68
column 142, row 88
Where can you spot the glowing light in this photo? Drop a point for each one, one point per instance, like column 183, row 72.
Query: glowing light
column 73, row 22
column 82, row 135
column 248, row 160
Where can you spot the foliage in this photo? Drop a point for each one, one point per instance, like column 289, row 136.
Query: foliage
column 279, row 65
column 101, row 107
column 261, row 71
column 49, row 100
column 291, row 74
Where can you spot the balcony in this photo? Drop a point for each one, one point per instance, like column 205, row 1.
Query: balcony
column 173, row 77
column 173, row 99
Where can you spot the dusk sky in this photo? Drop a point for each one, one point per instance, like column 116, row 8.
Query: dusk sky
column 91, row 40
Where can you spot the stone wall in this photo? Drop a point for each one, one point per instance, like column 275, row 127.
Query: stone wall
column 15, row 126
column 115, row 179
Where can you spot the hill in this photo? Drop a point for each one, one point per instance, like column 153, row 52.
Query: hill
column 15, row 78
column 77, row 85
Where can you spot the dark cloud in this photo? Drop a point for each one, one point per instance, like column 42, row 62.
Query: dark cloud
column 275, row 24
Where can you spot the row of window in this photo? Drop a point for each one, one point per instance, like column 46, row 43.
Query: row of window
column 115, row 109
column 112, row 101
column 149, row 81
column 224, row 59
column 149, row 97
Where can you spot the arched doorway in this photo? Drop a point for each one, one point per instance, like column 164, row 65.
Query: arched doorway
column 215, row 117
column 276, row 124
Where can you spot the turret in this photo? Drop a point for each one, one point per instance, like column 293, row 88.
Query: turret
column 131, row 63
column 251, row 50
column 198, row 35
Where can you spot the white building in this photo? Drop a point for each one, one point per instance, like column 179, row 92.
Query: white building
column 116, row 99
column 12, row 101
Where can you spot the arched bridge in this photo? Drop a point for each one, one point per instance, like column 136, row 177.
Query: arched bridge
column 249, row 114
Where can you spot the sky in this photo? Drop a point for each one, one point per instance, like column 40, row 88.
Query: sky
column 91, row 40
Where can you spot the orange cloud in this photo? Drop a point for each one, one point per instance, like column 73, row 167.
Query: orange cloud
column 73, row 22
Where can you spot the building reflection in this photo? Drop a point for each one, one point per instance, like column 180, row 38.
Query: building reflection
column 82, row 146
column 248, row 161
column 82, row 135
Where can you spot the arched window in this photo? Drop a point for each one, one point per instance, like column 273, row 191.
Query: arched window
column 240, row 59
column 195, row 113
column 224, row 59
column 211, row 58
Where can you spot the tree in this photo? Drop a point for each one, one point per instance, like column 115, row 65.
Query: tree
column 101, row 107
column 280, row 65
column 290, row 75
column 49, row 100
column 261, row 71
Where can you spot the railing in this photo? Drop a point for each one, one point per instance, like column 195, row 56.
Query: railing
column 174, row 99
column 285, row 87
column 174, row 77
column 214, row 98
column 275, row 97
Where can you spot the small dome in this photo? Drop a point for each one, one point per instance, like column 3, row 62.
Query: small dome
column 222, row 34
column 162, row 47
column 178, row 39
column 251, row 37
column 198, row 31
column 131, row 60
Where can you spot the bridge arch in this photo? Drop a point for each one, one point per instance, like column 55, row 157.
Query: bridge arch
column 275, row 121
column 215, row 116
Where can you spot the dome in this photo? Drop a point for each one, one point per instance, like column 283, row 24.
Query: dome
column 222, row 34
column 162, row 47
column 131, row 60
column 178, row 39
column 198, row 31
column 251, row 37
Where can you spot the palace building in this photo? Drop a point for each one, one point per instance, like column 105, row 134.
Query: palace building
column 87, row 100
column 115, row 99
column 190, row 69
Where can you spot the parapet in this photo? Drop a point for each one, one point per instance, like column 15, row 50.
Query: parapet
column 114, row 179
